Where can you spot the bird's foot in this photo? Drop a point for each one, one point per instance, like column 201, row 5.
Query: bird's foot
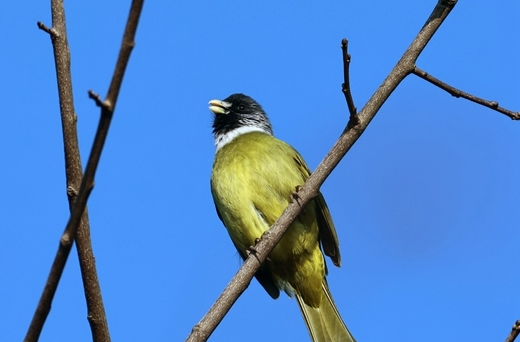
column 294, row 195
column 254, row 251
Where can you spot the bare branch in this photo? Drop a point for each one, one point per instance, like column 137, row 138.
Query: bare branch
column 459, row 93
column 515, row 331
column 50, row 31
column 73, row 169
column 97, row 316
column 345, row 87
column 97, row 99
column 240, row 282
column 124, row 53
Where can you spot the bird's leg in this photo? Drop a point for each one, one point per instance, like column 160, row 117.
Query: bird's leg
column 294, row 195
column 253, row 250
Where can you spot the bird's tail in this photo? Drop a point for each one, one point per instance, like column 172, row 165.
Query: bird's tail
column 325, row 323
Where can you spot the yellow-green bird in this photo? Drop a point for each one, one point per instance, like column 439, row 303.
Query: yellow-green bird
column 253, row 180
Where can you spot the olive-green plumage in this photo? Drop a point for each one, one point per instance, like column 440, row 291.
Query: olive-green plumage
column 253, row 180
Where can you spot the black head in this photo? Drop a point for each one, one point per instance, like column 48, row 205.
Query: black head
column 237, row 111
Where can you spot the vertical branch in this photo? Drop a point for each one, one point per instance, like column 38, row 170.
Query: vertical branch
column 345, row 87
column 73, row 172
column 96, row 314
column 78, row 209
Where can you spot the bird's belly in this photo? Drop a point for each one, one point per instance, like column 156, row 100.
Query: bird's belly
column 246, row 223
column 251, row 189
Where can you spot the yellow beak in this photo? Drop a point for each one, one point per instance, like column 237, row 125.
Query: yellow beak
column 219, row 107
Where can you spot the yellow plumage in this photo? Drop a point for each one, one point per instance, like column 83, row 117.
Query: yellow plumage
column 253, row 179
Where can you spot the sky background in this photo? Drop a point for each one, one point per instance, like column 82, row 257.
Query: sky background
column 426, row 203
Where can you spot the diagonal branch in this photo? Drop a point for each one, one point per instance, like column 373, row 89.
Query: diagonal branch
column 78, row 210
column 459, row 93
column 515, row 331
column 202, row 330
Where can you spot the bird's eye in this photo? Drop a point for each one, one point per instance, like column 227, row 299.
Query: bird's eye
column 241, row 107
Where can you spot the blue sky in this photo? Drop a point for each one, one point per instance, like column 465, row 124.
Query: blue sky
column 426, row 203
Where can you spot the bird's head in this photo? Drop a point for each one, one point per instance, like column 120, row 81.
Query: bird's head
column 237, row 114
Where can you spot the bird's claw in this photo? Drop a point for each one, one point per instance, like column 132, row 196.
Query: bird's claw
column 254, row 251
column 294, row 195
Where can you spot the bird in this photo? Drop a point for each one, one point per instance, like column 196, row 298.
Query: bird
column 253, row 179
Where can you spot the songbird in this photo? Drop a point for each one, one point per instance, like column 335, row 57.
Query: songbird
column 254, row 178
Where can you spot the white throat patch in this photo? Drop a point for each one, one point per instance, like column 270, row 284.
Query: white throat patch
column 223, row 139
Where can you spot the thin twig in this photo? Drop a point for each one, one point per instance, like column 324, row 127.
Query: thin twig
column 345, row 87
column 50, row 31
column 97, row 99
column 515, row 331
column 241, row 280
column 79, row 208
column 459, row 93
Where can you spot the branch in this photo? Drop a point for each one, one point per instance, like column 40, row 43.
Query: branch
column 459, row 93
column 240, row 282
column 345, row 87
column 51, row 31
column 78, row 209
column 515, row 331
column 73, row 171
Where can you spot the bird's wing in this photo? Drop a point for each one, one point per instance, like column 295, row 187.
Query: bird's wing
column 262, row 275
column 328, row 235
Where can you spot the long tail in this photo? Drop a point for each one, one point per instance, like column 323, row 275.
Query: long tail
column 325, row 323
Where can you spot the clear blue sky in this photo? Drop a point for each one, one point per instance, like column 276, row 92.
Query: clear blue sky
column 426, row 203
